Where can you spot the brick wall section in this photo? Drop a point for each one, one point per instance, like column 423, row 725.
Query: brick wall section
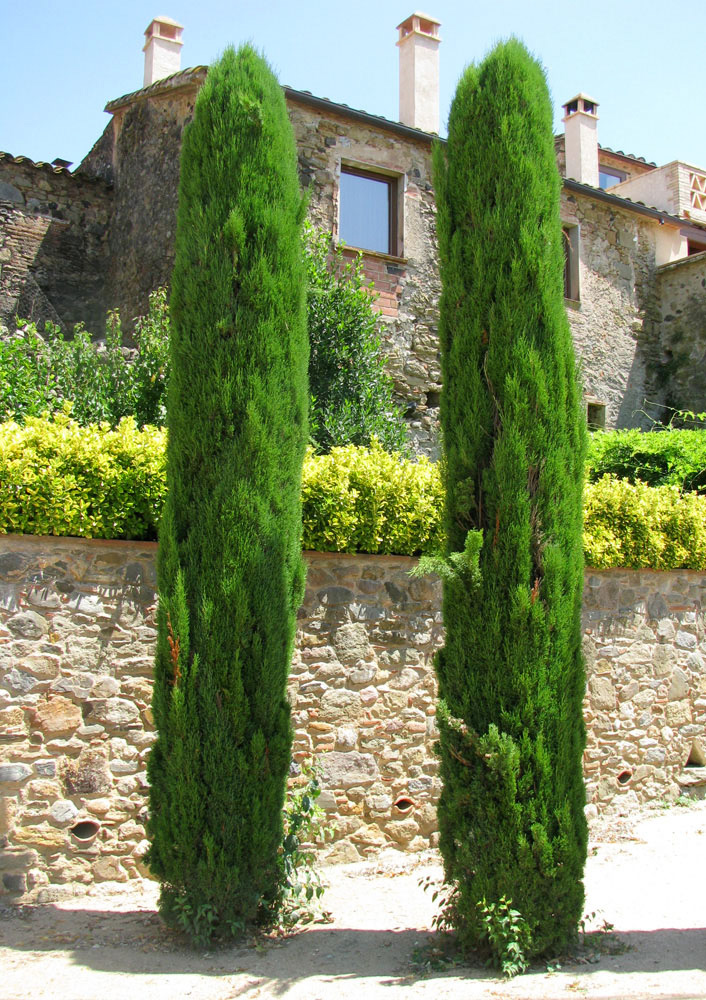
column 53, row 244
column 76, row 641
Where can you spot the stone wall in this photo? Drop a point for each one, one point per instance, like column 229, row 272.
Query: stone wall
column 680, row 333
column 611, row 321
column 76, row 640
column 53, row 244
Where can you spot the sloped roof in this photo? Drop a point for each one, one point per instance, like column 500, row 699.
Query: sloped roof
column 50, row 168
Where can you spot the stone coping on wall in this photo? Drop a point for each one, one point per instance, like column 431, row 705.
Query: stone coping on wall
column 77, row 631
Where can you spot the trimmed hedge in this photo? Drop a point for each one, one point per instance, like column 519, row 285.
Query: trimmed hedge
column 658, row 458
column 635, row 526
column 368, row 500
column 57, row 478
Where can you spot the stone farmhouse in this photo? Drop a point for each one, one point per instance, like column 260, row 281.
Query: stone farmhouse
column 75, row 244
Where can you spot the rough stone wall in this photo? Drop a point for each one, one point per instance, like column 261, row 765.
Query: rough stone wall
column 53, row 244
column 76, row 641
column 680, row 362
column 645, row 708
column 611, row 323
column 146, row 151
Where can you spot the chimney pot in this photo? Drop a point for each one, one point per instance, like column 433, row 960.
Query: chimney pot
column 581, row 139
column 418, row 43
column 162, row 49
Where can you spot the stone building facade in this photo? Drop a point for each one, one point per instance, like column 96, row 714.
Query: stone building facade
column 119, row 210
column 77, row 635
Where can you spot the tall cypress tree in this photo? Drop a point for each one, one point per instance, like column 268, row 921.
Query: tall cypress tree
column 230, row 571
column 511, row 675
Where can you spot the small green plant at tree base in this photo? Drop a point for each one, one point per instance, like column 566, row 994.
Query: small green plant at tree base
column 304, row 825
column 603, row 940
column 508, row 935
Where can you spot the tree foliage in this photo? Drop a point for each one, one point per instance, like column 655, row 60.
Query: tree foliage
column 41, row 371
column 230, row 572
column 511, row 676
column 352, row 398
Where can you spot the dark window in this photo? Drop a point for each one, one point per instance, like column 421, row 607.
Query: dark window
column 570, row 241
column 595, row 416
column 368, row 207
column 607, row 178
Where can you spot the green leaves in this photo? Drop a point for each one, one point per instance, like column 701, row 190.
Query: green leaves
column 39, row 373
column 352, row 398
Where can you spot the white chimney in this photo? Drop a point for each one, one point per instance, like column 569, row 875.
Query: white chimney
column 419, row 72
column 162, row 49
column 581, row 139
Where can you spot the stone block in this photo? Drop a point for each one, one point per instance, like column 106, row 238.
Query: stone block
column 59, row 715
column 677, row 713
column 42, row 667
column 11, row 773
column 115, row 712
column 90, row 774
column 352, row 644
column 42, row 837
column 15, row 883
column 28, row 625
column 63, row 812
column 663, row 658
column 347, row 770
column 109, row 869
column 342, row 853
column 340, row 705
column 602, row 694
column 679, row 688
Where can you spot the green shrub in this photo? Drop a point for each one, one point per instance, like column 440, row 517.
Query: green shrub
column 58, row 478
column 367, row 500
column 39, row 372
column 351, row 393
column 636, row 526
column 230, row 571
column 658, row 458
column 511, row 677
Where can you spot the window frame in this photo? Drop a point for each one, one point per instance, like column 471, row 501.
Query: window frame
column 395, row 181
column 613, row 172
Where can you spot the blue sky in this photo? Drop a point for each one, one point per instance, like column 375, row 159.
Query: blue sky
column 61, row 62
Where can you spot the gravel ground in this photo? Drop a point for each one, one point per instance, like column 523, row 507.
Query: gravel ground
column 646, row 876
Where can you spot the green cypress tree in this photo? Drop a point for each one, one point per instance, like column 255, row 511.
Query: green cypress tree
column 511, row 674
column 230, row 571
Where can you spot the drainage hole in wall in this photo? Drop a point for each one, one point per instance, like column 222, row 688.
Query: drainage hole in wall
column 624, row 777
column 86, row 830
column 404, row 805
column 697, row 757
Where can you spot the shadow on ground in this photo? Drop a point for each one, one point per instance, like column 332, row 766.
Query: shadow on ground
column 135, row 942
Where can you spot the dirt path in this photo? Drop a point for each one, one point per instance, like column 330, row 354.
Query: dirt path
column 649, row 880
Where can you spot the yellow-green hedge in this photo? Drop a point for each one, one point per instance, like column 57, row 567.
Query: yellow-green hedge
column 367, row 500
column 57, row 478
column 637, row 526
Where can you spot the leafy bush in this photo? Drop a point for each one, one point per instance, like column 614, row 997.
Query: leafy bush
column 635, row 526
column 104, row 381
column 658, row 458
column 367, row 500
column 351, row 393
column 58, row 478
